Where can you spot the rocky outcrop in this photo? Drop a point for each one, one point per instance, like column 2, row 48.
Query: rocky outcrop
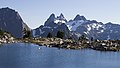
column 10, row 21
column 6, row 38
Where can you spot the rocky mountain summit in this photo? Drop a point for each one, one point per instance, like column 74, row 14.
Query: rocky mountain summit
column 10, row 21
column 52, row 25
column 77, row 27
column 94, row 29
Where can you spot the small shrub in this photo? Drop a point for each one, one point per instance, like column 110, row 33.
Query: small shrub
column 60, row 34
column 49, row 35
column 1, row 32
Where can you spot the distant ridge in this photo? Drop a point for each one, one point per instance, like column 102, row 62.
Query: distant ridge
column 80, row 26
column 11, row 21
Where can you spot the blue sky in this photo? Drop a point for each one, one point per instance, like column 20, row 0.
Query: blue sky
column 35, row 12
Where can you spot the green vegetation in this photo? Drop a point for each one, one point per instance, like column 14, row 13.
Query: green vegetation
column 49, row 35
column 82, row 37
column 1, row 32
column 60, row 34
column 92, row 39
column 27, row 34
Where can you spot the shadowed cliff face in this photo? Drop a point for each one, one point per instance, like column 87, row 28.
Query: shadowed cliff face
column 11, row 22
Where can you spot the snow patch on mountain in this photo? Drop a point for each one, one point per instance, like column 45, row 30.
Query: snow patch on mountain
column 74, row 24
column 57, row 21
column 89, row 27
column 46, row 27
column 79, row 26
column 94, row 26
column 60, row 19
column 69, row 27
column 86, row 33
column 102, row 31
column 41, row 32
column 53, row 25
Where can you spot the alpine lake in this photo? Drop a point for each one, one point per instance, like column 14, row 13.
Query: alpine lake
column 27, row 55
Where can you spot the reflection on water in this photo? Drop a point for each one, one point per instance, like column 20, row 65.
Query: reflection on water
column 23, row 55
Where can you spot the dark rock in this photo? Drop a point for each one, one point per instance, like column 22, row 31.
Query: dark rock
column 78, row 17
column 51, row 26
column 11, row 22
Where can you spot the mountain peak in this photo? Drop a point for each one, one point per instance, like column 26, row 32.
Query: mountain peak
column 52, row 16
column 78, row 17
column 7, row 9
column 61, row 16
column 11, row 22
column 109, row 23
column 50, row 20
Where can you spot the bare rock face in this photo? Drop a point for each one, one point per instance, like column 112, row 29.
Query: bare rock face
column 52, row 25
column 10, row 21
column 94, row 29
column 78, row 17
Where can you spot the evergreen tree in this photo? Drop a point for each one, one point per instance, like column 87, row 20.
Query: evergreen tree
column 92, row 39
column 1, row 32
column 27, row 34
column 60, row 34
column 81, row 37
column 49, row 35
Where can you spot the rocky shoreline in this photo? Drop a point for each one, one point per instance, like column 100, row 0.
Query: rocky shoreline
column 7, row 38
column 105, row 45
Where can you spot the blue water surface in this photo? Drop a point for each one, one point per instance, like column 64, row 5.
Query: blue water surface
column 26, row 55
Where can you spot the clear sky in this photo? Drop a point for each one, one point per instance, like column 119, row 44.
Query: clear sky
column 35, row 12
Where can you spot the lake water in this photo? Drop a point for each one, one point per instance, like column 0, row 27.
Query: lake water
column 24, row 55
